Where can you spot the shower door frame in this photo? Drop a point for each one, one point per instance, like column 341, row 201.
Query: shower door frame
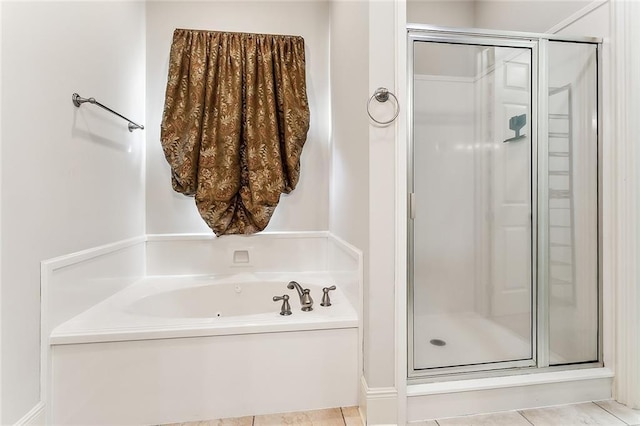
column 538, row 43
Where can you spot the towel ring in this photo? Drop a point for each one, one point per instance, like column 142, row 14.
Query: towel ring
column 382, row 95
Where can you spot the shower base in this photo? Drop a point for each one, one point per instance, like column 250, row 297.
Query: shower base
column 469, row 338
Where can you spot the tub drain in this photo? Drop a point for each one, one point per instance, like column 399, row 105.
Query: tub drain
column 437, row 342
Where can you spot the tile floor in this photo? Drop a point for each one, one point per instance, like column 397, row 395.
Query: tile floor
column 346, row 416
column 598, row 413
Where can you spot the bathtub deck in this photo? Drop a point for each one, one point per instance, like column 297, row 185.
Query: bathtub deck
column 111, row 321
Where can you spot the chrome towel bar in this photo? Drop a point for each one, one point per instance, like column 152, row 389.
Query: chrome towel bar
column 78, row 100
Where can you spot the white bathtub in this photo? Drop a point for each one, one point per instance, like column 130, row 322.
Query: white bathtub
column 170, row 307
column 217, row 300
column 204, row 347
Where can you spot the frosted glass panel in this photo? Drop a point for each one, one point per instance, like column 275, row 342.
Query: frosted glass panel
column 573, row 203
column 472, row 236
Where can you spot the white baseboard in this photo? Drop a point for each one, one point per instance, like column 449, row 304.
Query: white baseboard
column 35, row 416
column 378, row 406
column 466, row 397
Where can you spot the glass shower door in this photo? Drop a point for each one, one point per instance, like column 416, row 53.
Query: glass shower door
column 572, row 221
column 471, row 228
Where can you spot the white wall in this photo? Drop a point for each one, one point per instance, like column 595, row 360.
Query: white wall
column 444, row 13
column 514, row 15
column 596, row 23
column 306, row 208
column 379, row 299
column 71, row 178
column 1, row 92
column 621, row 180
column 349, row 191
column 349, row 195
column 530, row 15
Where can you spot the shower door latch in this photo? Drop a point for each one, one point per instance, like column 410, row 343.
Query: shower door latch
column 412, row 205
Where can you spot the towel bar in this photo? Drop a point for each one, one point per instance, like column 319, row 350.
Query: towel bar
column 78, row 100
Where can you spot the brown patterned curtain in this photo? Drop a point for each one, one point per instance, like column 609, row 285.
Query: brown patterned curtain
column 235, row 120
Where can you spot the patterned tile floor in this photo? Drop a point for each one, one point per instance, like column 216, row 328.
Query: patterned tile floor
column 598, row 413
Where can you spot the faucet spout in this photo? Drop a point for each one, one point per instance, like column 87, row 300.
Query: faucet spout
column 305, row 298
column 298, row 287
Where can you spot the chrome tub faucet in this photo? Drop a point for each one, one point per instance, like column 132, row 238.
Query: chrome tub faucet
column 305, row 298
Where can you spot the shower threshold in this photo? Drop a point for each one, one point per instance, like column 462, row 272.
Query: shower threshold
column 428, row 401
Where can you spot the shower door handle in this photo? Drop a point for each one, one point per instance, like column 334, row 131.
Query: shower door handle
column 412, row 205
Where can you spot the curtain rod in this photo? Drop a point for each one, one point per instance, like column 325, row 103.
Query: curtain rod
column 78, row 100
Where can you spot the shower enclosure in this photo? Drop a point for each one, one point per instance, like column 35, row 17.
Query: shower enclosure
column 504, row 210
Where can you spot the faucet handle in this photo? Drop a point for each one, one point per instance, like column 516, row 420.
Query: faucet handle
column 286, row 307
column 326, row 301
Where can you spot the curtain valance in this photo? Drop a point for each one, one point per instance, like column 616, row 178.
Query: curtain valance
column 235, row 120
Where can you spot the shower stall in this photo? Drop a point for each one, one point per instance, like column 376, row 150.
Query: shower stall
column 503, row 228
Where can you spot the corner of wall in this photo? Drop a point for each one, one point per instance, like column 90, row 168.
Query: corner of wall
column 623, row 224
column 1, row 295
column 401, row 166
column 379, row 405
column 144, row 115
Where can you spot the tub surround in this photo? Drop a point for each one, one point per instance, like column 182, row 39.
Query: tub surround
column 186, row 379
column 241, row 365
column 73, row 283
column 200, row 254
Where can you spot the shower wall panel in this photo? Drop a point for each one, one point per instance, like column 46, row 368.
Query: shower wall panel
column 445, row 269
